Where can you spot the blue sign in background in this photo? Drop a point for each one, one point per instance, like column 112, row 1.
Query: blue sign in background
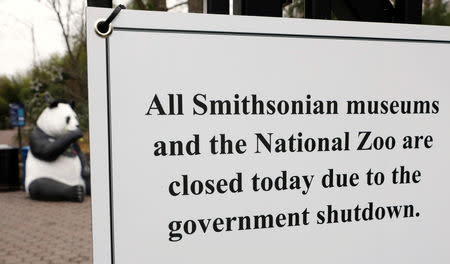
column 17, row 114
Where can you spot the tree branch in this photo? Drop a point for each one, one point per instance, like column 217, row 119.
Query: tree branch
column 56, row 8
column 159, row 5
column 177, row 5
column 140, row 4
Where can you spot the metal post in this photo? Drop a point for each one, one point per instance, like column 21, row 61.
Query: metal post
column 20, row 139
column 367, row 10
column 100, row 3
column 237, row 7
column 408, row 11
column 20, row 156
column 272, row 8
column 318, row 9
column 218, row 7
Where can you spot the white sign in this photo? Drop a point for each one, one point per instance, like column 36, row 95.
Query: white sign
column 224, row 139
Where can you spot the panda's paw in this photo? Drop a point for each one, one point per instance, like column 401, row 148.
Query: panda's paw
column 77, row 193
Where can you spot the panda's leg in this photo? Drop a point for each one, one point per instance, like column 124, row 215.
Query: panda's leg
column 87, row 183
column 47, row 189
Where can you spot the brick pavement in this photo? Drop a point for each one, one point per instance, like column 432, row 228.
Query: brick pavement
column 44, row 232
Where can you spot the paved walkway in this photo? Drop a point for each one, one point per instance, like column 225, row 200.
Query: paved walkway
column 44, row 232
column 7, row 137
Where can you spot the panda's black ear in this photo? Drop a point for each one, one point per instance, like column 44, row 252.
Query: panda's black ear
column 53, row 104
column 72, row 104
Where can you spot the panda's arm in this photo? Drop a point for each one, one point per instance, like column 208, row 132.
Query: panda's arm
column 44, row 149
column 85, row 167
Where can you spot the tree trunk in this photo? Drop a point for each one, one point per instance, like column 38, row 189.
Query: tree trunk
column 195, row 6
column 159, row 5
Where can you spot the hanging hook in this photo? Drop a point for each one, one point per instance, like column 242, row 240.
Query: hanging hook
column 103, row 27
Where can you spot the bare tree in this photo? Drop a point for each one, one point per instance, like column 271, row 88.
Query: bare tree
column 195, row 6
column 296, row 9
column 29, row 25
column 72, row 23
column 33, row 42
column 64, row 19
column 157, row 5
column 177, row 5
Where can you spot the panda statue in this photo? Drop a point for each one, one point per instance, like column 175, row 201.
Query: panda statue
column 57, row 169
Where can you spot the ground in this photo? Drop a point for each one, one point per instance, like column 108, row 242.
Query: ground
column 7, row 137
column 44, row 232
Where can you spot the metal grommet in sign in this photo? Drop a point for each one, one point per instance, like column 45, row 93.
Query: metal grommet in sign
column 101, row 29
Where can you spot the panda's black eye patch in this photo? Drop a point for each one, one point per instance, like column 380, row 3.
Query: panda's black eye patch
column 67, row 119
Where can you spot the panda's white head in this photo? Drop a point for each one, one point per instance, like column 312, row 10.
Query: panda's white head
column 58, row 119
